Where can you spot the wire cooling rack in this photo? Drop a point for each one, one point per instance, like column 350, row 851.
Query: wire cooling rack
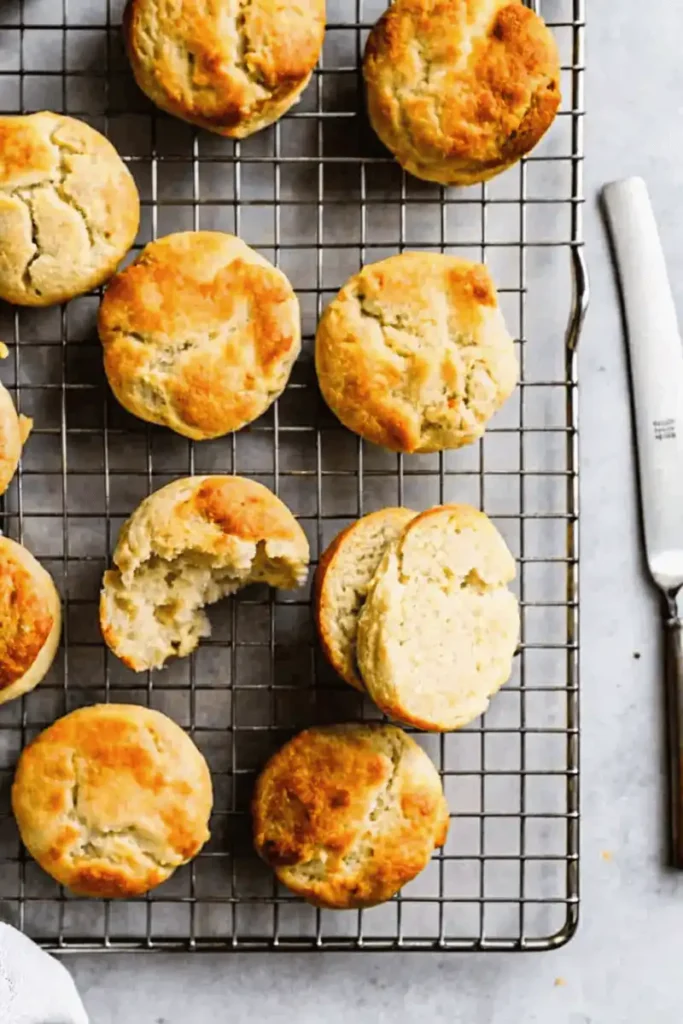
column 318, row 195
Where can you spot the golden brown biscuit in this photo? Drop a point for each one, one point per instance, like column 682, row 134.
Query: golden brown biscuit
column 111, row 799
column 439, row 628
column 14, row 431
column 189, row 544
column 231, row 67
column 69, row 209
column 459, row 90
column 347, row 814
column 30, row 620
column 413, row 353
column 200, row 334
column 344, row 574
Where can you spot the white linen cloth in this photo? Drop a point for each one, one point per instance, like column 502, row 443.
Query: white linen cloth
column 34, row 987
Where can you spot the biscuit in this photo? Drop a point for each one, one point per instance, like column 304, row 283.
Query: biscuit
column 413, row 353
column 30, row 620
column 460, row 91
column 200, row 334
column 69, row 209
column 348, row 814
column 439, row 628
column 230, row 67
column 14, row 431
column 189, row 544
column 111, row 799
column 344, row 574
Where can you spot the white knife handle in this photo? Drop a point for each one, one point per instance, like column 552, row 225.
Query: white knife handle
column 656, row 357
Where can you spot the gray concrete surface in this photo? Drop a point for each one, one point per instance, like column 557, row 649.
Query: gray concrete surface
column 623, row 967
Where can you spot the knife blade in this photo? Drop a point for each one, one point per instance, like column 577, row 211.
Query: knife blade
column 656, row 372
column 656, row 358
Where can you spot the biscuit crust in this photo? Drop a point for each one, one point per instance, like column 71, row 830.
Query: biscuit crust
column 69, row 209
column 347, row 814
column 413, row 353
column 439, row 628
column 459, row 90
column 231, row 66
column 344, row 574
column 200, row 334
column 30, row 620
column 111, row 799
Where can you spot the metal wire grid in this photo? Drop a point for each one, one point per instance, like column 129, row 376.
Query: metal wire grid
column 318, row 195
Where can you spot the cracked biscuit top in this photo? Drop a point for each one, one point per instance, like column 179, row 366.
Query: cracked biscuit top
column 348, row 814
column 413, row 353
column 200, row 334
column 459, row 90
column 231, row 66
column 69, row 209
column 111, row 799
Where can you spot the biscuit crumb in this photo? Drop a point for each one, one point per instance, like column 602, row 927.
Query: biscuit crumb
column 559, row 983
column 4, row 351
column 25, row 427
column 607, row 855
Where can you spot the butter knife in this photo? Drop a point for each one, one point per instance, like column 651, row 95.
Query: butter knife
column 656, row 370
